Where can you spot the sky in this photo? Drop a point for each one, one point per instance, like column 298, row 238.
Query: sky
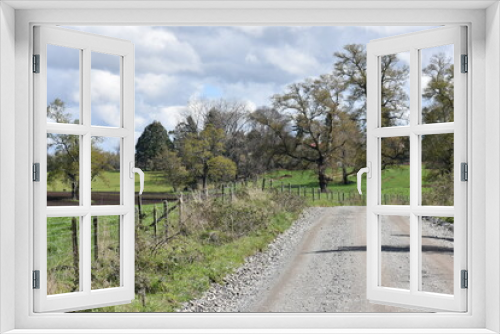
column 177, row 64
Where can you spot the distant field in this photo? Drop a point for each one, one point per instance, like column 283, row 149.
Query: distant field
column 110, row 182
column 394, row 182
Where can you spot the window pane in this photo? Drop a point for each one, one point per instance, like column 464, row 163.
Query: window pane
column 395, row 89
column 105, row 90
column 105, row 232
column 63, row 255
column 63, row 170
column 63, row 84
column 437, row 84
column 437, row 169
column 105, row 171
column 437, row 254
column 395, row 182
column 395, row 248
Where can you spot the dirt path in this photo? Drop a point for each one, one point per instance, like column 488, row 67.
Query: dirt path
column 327, row 273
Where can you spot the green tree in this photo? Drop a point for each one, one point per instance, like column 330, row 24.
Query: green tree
column 312, row 123
column 438, row 94
column 152, row 141
column 174, row 171
column 221, row 169
column 63, row 159
column 351, row 66
column 438, row 150
column 199, row 148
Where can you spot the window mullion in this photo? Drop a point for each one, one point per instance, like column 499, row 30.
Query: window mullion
column 86, row 170
column 414, row 170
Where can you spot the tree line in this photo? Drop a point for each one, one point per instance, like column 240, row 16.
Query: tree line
column 318, row 123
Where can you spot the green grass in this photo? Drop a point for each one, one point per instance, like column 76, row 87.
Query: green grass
column 110, row 182
column 394, row 181
column 181, row 269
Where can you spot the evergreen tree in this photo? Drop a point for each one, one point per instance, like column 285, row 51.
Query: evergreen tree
column 150, row 144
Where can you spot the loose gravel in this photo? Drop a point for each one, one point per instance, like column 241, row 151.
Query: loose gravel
column 319, row 265
column 243, row 287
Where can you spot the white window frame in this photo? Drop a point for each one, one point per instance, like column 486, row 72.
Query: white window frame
column 484, row 103
column 86, row 44
column 414, row 296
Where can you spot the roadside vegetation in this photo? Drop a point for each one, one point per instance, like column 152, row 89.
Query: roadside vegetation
column 179, row 257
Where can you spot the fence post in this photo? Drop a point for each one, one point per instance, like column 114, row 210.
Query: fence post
column 263, row 184
column 181, row 221
column 139, row 203
column 76, row 256
column 271, row 185
column 289, row 188
column 223, row 189
column 165, row 214
column 313, row 194
column 298, row 190
column 95, row 224
column 319, row 194
column 155, row 217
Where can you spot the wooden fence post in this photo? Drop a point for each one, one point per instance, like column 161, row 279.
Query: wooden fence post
column 139, row 203
column 76, row 252
column 319, row 194
column 263, row 184
column 95, row 224
column 165, row 214
column 155, row 217
column 313, row 194
column 182, row 227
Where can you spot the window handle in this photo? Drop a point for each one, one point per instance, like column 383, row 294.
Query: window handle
column 134, row 170
column 368, row 171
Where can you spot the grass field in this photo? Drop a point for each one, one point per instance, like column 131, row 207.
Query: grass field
column 394, row 181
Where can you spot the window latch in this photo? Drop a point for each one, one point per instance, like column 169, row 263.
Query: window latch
column 368, row 171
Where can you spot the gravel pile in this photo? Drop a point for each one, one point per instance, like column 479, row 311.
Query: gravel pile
column 242, row 288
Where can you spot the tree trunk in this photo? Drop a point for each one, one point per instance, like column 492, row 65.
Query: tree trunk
column 205, row 176
column 323, row 180
column 74, row 190
column 345, row 176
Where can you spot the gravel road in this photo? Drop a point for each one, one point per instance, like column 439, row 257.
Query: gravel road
column 319, row 265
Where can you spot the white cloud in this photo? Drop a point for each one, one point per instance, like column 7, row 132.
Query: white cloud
column 255, row 31
column 104, row 86
column 250, row 58
column 105, row 94
column 424, row 82
column 292, row 60
column 154, row 85
column 171, row 116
